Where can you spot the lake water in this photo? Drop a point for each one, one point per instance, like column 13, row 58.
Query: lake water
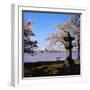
column 48, row 57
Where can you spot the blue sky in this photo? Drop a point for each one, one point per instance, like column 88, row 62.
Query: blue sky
column 44, row 25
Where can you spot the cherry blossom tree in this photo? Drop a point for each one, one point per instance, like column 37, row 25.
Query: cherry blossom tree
column 29, row 45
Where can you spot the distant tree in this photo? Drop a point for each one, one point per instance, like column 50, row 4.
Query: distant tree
column 46, row 50
column 29, row 45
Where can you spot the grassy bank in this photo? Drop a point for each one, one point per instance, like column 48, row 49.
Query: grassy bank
column 54, row 68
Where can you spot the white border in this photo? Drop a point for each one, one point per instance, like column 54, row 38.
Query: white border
column 16, row 77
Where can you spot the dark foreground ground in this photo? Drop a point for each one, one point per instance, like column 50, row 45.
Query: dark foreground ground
column 55, row 68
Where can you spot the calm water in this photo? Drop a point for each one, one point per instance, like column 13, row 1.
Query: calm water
column 48, row 57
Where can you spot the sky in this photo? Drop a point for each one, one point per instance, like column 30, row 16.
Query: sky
column 44, row 25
